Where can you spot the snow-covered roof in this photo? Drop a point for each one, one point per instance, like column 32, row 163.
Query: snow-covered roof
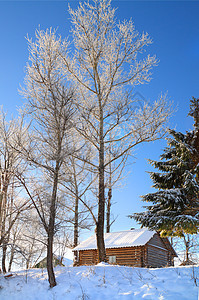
column 129, row 238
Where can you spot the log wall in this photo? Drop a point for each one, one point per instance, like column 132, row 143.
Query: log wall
column 129, row 256
column 87, row 257
column 157, row 253
column 156, row 257
column 153, row 254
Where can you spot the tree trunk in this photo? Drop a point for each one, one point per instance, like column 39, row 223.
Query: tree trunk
column 108, row 212
column 3, row 261
column 187, row 251
column 4, row 244
column 100, row 241
column 51, row 275
column 3, row 202
column 51, row 230
column 187, row 254
column 76, row 220
column 101, row 200
column 187, row 243
column 3, row 229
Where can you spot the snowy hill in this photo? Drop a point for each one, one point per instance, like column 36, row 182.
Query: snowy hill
column 103, row 282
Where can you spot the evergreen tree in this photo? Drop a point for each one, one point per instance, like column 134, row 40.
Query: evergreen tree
column 175, row 206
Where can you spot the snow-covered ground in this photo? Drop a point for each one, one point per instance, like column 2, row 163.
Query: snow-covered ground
column 103, row 282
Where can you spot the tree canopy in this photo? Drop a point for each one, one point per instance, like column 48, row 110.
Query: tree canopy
column 175, row 206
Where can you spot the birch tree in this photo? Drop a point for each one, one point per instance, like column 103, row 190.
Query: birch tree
column 50, row 110
column 110, row 60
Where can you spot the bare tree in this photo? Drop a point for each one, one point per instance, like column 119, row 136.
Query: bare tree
column 78, row 185
column 50, row 109
column 11, row 204
column 27, row 240
column 107, row 63
column 63, row 243
column 187, row 246
column 114, row 175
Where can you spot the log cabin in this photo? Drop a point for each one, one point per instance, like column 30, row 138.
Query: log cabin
column 136, row 248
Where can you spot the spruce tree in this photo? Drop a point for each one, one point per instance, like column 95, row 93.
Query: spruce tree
column 175, row 206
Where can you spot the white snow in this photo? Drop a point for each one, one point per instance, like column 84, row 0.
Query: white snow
column 103, row 282
column 129, row 238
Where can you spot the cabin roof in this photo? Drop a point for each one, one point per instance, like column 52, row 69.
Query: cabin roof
column 129, row 238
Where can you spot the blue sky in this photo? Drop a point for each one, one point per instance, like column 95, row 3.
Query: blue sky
column 174, row 28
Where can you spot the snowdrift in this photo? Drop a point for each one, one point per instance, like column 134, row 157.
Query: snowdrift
column 103, row 282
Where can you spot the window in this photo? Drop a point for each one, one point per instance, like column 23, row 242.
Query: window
column 112, row 259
